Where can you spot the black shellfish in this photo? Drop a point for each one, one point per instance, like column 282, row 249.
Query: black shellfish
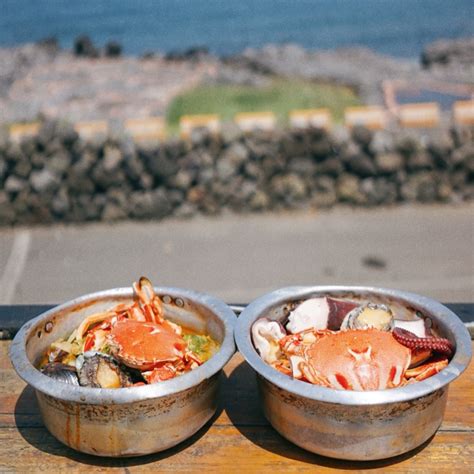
column 61, row 372
column 101, row 371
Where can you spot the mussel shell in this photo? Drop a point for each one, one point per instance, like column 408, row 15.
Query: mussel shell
column 353, row 320
column 61, row 372
column 88, row 367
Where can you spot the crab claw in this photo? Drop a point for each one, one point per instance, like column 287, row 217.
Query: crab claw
column 150, row 304
column 143, row 289
column 319, row 313
column 265, row 335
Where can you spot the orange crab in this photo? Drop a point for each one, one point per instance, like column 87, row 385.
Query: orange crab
column 141, row 345
column 139, row 337
column 354, row 359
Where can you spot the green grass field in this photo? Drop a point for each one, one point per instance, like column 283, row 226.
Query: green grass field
column 280, row 97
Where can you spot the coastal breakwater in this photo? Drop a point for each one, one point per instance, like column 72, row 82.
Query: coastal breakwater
column 58, row 176
column 44, row 81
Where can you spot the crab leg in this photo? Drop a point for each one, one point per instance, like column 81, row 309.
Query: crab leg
column 422, row 372
column 312, row 375
column 294, row 344
column 160, row 374
column 189, row 356
column 282, row 366
column 136, row 313
column 419, row 356
column 93, row 319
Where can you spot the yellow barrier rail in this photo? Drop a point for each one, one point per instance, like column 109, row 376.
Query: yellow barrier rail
column 19, row 131
column 188, row 123
column 92, row 129
column 307, row 118
column 146, row 129
column 463, row 112
column 250, row 121
column 423, row 115
column 373, row 117
column 420, row 115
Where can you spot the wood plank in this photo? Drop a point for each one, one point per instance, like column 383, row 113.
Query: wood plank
column 460, row 406
column 239, row 439
column 226, row 449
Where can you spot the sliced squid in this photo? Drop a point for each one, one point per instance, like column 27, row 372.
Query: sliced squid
column 416, row 327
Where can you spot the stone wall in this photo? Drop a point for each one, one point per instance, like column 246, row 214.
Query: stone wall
column 56, row 176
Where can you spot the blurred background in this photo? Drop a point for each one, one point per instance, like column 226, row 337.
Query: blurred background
column 236, row 147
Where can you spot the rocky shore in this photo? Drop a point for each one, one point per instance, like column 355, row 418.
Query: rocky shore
column 56, row 176
column 43, row 81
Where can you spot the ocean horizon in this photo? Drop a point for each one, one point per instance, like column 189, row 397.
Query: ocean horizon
column 398, row 28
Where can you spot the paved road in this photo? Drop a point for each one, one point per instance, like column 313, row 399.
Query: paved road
column 428, row 250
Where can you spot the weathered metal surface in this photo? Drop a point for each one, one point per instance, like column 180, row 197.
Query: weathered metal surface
column 347, row 424
column 130, row 429
column 127, row 421
column 340, row 431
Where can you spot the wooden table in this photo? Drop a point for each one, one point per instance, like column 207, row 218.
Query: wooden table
column 237, row 439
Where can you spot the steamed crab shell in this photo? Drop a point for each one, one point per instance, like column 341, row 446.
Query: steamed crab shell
column 356, row 359
column 144, row 345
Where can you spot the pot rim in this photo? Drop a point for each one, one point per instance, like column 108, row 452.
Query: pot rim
column 99, row 396
column 430, row 307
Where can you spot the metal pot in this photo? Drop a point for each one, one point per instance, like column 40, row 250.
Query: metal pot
column 126, row 421
column 347, row 424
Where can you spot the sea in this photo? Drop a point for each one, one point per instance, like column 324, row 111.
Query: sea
column 398, row 28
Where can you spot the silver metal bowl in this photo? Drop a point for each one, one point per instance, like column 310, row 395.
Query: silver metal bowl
column 347, row 424
column 126, row 421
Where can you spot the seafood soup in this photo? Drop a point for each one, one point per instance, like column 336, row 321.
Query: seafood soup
column 352, row 343
column 128, row 345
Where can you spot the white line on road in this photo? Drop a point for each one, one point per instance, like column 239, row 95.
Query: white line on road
column 14, row 267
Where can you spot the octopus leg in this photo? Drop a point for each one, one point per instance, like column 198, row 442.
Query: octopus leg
column 437, row 344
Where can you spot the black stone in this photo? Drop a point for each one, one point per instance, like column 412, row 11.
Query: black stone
column 83, row 46
column 113, row 49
